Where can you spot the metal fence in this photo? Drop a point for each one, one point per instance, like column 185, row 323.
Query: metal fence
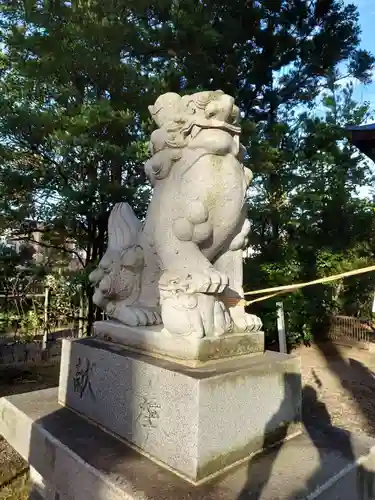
column 32, row 291
column 356, row 331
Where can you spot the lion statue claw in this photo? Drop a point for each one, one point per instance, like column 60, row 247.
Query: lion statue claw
column 183, row 267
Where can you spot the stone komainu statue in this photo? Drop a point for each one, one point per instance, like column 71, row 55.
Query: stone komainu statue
column 183, row 266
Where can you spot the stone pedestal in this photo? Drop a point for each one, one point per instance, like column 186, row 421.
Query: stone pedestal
column 155, row 341
column 73, row 459
column 195, row 421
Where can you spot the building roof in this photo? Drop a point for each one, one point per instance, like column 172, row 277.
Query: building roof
column 363, row 137
column 369, row 126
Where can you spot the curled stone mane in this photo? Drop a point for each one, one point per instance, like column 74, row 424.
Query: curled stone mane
column 179, row 119
column 176, row 116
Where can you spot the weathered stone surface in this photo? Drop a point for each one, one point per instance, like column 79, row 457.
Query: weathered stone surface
column 197, row 421
column 183, row 266
column 41, row 489
column 80, row 461
column 154, row 341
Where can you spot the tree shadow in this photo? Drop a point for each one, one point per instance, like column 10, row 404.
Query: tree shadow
column 318, row 425
column 21, row 379
column 355, row 378
column 273, row 442
column 338, row 457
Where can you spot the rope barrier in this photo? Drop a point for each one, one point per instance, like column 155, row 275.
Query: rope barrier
column 279, row 290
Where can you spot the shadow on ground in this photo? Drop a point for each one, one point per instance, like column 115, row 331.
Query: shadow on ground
column 359, row 381
column 26, row 379
column 355, row 378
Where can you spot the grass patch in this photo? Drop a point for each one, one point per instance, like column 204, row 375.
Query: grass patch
column 17, row 489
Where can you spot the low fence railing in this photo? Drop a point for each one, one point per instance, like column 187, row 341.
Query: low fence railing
column 359, row 331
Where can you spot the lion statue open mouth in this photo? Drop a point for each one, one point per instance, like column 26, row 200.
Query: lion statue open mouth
column 183, row 266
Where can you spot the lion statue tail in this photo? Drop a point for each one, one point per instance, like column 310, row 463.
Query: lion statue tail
column 123, row 236
column 123, row 227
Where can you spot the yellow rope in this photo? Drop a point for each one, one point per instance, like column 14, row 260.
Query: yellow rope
column 260, row 299
column 278, row 290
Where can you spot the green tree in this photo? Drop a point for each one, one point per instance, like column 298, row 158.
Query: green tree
column 334, row 221
column 19, row 274
column 10, row 260
column 76, row 79
column 327, row 228
column 73, row 99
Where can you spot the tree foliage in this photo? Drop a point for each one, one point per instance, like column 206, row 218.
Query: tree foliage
column 76, row 79
column 325, row 227
column 73, row 101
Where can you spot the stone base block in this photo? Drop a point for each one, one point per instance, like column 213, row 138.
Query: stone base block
column 154, row 341
column 195, row 421
column 73, row 459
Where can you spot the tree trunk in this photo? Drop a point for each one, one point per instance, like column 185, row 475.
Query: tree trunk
column 81, row 313
column 46, row 308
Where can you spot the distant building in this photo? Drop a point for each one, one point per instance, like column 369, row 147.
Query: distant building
column 16, row 242
column 41, row 252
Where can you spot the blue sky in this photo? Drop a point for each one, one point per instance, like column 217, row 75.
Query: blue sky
column 366, row 10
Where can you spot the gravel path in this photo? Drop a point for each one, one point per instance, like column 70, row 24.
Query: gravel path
column 339, row 384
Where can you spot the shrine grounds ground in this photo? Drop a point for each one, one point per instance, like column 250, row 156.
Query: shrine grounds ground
column 338, row 381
